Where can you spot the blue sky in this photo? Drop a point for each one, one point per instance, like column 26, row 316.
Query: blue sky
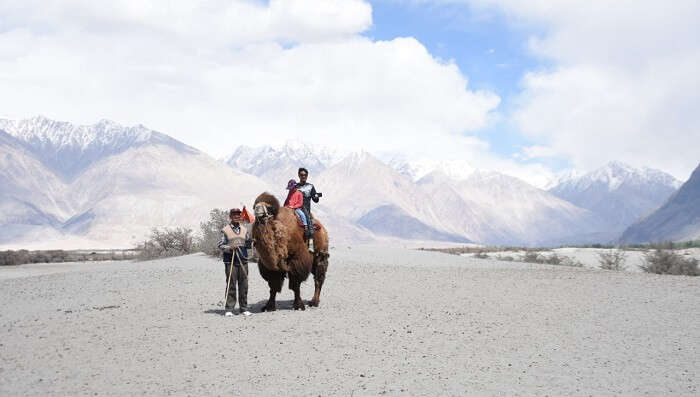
column 488, row 49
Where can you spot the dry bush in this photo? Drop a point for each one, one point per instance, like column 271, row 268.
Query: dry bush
column 668, row 262
column 531, row 257
column 506, row 258
column 211, row 232
column 612, row 260
column 481, row 255
column 552, row 259
column 167, row 243
column 568, row 261
column 9, row 258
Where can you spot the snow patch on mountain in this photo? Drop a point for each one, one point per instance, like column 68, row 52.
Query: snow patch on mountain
column 68, row 149
column 417, row 168
column 615, row 174
column 617, row 192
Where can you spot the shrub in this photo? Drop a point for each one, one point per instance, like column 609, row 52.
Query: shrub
column 9, row 258
column 481, row 255
column 507, row 258
column 662, row 261
column 211, row 232
column 553, row 259
column 166, row 243
column 612, row 260
column 567, row 261
column 531, row 257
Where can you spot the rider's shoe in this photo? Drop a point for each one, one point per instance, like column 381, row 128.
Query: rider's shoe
column 228, row 314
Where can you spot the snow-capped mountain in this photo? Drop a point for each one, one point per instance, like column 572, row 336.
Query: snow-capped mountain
column 378, row 198
column 678, row 219
column 494, row 208
column 140, row 179
column 110, row 184
column 617, row 192
column 487, row 207
column 417, row 168
column 68, row 149
column 278, row 164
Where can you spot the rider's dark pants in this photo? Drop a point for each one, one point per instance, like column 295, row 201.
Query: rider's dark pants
column 309, row 222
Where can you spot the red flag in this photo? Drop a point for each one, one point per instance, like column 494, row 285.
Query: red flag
column 246, row 216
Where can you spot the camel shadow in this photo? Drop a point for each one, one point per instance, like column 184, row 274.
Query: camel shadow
column 279, row 305
column 257, row 307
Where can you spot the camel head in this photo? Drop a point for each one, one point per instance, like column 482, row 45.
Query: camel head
column 262, row 212
column 265, row 208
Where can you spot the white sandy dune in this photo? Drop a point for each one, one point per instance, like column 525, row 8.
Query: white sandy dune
column 391, row 321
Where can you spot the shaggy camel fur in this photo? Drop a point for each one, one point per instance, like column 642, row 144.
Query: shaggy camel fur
column 282, row 251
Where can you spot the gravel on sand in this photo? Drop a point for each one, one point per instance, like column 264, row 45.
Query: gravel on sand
column 391, row 321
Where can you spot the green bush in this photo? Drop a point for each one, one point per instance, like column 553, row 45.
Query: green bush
column 662, row 261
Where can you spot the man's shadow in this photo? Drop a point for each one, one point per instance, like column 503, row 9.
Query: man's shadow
column 257, row 307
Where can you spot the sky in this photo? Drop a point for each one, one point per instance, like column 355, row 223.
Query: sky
column 528, row 88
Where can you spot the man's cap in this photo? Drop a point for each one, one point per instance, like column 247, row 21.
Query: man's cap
column 234, row 211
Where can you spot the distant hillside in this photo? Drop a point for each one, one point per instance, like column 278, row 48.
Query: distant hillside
column 618, row 193
column 677, row 220
column 107, row 183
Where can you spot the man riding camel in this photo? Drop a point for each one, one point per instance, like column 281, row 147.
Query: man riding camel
column 234, row 244
column 309, row 193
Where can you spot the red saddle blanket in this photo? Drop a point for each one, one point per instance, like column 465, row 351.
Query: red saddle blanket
column 301, row 224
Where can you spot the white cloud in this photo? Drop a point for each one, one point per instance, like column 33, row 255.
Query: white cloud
column 218, row 73
column 624, row 83
column 535, row 152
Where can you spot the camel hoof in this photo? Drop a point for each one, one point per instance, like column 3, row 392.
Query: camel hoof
column 299, row 306
column 313, row 303
column 268, row 308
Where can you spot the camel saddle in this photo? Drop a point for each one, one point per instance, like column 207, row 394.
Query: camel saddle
column 301, row 224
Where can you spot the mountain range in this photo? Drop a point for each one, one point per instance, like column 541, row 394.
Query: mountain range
column 618, row 193
column 678, row 219
column 108, row 185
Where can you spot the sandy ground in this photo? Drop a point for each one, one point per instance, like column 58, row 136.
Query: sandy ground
column 391, row 321
column 589, row 257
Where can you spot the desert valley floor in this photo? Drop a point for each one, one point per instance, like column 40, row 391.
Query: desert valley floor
column 391, row 321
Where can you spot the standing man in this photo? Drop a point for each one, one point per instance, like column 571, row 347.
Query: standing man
column 309, row 192
column 234, row 244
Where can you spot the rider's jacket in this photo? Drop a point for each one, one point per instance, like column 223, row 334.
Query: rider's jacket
column 309, row 192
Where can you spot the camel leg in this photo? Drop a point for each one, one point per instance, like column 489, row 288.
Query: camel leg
column 270, row 306
column 295, row 285
column 274, row 280
column 319, row 271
